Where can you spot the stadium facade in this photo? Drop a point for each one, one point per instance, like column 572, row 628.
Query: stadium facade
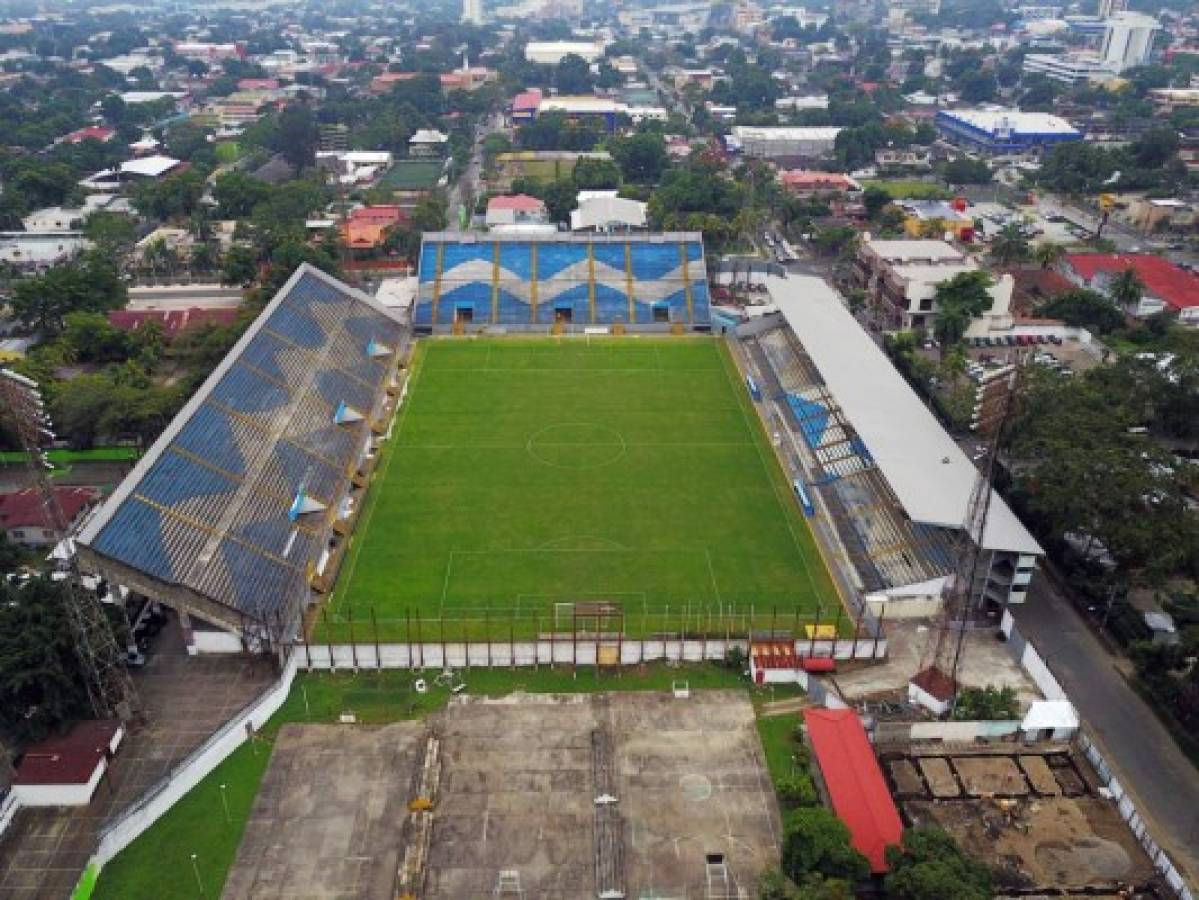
column 231, row 514
column 536, row 282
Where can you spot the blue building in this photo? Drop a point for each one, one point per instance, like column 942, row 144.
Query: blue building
column 538, row 281
column 1005, row 131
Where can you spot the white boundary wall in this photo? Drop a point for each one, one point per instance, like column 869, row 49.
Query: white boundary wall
column 8, row 810
column 1128, row 811
column 120, row 833
column 457, row 655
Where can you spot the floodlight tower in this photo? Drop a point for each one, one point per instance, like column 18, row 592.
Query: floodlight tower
column 109, row 688
column 943, row 655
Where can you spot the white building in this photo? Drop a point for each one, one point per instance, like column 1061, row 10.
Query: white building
column 550, row 53
column 605, row 211
column 769, row 142
column 1070, row 68
column 27, row 250
column 472, row 12
column 1128, row 40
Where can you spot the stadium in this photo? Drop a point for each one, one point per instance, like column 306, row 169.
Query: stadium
column 338, row 483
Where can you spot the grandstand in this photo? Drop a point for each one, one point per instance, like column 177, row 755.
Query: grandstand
column 894, row 483
column 230, row 514
column 646, row 281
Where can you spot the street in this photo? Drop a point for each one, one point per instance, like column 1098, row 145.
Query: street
column 1162, row 781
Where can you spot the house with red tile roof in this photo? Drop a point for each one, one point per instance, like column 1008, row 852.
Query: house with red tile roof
column 173, row 321
column 24, row 521
column 101, row 133
column 367, row 227
column 805, row 183
column 1167, row 286
column 516, row 211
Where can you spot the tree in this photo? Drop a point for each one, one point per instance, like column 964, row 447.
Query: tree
column 930, row 866
column 596, row 174
column 41, row 680
column 237, row 194
column 240, row 266
column 817, row 842
column 1049, row 254
column 966, row 171
column 958, row 300
column 642, row 157
column 89, row 284
column 1084, row 308
column 1126, row 289
column 573, row 75
column 298, row 136
column 1009, row 245
column 875, row 199
column 978, row 87
column 430, row 213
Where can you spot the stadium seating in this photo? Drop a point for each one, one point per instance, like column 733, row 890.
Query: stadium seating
column 589, row 279
column 208, row 508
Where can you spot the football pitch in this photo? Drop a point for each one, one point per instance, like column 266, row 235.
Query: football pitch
column 525, row 476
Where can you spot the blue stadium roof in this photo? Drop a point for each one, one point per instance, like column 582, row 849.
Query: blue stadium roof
column 212, row 505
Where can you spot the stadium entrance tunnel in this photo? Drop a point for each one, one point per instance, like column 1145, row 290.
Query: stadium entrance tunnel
column 577, row 445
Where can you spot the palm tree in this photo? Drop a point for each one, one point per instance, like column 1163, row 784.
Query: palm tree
column 1126, row 289
column 1049, row 254
column 1009, row 245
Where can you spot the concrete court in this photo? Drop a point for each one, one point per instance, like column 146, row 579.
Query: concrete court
column 517, row 793
column 327, row 817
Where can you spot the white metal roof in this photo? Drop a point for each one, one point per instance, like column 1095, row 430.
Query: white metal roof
column 926, row 469
column 785, row 132
column 1049, row 714
column 600, row 211
column 1019, row 122
column 911, row 250
column 149, row 166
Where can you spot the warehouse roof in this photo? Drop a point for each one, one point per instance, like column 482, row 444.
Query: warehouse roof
column 785, row 132
column 855, row 782
column 929, row 473
column 992, row 120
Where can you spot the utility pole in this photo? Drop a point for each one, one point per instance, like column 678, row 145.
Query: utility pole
column 109, row 688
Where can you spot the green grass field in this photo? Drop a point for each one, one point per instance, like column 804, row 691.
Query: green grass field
column 524, row 475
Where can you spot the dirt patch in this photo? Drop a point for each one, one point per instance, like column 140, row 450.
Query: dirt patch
column 939, row 776
column 1040, row 776
column 1059, row 843
column 983, row 775
column 907, row 779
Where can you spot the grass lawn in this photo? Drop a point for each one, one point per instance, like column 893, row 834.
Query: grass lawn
column 911, row 189
column 412, row 174
column 158, row 864
column 525, row 475
column 66, row 457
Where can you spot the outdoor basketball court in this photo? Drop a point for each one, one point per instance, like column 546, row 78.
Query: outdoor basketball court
column 685, row 802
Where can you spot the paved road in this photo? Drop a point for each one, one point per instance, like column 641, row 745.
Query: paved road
column 1162, row 781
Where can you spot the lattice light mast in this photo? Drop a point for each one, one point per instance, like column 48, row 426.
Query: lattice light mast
column 958, row 600
column 109, row 688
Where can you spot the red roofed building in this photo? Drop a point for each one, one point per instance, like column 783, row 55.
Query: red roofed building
column 525, row 105
column 101, row 133
column 258, row 84
column 367, row 228
column 515, row 209
column 802, row 182
column 1167, row 287
column 64, row 771
column 173, row 321
column 855, row 782
column 24, row 521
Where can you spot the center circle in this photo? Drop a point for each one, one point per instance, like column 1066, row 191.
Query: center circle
column 696, row 788
column 577, row 445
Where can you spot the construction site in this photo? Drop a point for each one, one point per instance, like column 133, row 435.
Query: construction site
column 602, row 795
column 1035, row 814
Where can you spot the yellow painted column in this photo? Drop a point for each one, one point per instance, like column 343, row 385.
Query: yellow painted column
column 686, row 283
column 495, row 283
column 437, row 279
column 628, row 278
column 591, row 282
column 533, row 284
